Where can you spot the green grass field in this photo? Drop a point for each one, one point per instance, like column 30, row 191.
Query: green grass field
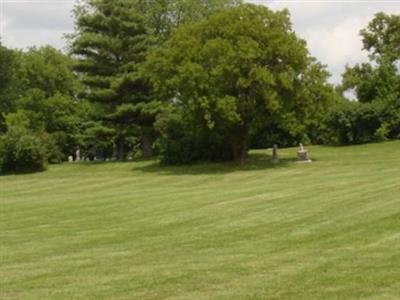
column 326, row 230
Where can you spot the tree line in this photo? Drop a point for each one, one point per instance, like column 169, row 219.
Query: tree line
column 189, row 81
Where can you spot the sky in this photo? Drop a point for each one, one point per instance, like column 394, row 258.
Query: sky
column 330, row 27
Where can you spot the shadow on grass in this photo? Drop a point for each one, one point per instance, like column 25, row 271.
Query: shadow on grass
column 110, row 162
column 22, row 172
column 253, row 163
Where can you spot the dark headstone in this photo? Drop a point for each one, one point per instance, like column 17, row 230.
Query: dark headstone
column 275, row 157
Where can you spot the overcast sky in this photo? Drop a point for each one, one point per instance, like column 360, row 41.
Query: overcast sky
column 330, row 27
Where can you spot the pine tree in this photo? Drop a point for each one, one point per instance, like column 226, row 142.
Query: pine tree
column 110, row 43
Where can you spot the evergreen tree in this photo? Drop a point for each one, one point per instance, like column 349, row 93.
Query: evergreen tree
column 110, row 43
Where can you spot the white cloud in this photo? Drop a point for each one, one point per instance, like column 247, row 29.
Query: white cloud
column 36, row 22
column 338, row 45
column 330, row 27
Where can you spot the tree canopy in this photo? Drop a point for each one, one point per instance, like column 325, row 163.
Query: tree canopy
column 382, row 37
column 163, row 16
column 380, row 78
column 238, row 71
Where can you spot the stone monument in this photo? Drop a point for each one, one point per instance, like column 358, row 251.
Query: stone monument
column 70, row 159
column 302, row 155
column 275, row 157
column 78, row 155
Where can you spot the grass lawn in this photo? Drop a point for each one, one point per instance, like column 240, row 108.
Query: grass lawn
column 326, row 230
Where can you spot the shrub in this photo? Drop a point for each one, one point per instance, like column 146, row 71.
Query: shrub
column 391, row 117
column 22, row 151
column 356, row 123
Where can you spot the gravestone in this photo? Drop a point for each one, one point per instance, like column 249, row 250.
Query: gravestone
column 70, row 159
column 78, row 155
column 275, row 157
column 302, row 155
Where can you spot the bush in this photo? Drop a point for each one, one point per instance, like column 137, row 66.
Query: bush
column 356, row 123
column 391, row 117
column 21, row 151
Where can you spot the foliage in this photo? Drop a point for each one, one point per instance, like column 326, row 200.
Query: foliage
column 241, row 70
column 97, row 141
column 44, row 88
column 380, row 78
column 58, row 115
column 8, row 61
column 48, row 97
column 354, row 123
column 164, row 16
column 48, row 70
column 371, row 82
column 376, row 85
column 174, row 145
column 110, row 42
column 391, row 118
column 6, row 66
column 21, row 149
column 382, row 38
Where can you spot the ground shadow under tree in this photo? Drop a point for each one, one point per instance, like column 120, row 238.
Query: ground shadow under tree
column 253, row 162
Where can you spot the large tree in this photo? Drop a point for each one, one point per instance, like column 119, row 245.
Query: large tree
column 226, row 77
column 110, row 43
column 47, row 93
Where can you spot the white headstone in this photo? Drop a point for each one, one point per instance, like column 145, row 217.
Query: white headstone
column 302, row 155
column 78, row 155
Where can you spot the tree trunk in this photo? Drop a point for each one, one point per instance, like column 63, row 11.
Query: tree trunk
column 240, row 145
column 240, row 153
column 147, row 145
column 121, row 150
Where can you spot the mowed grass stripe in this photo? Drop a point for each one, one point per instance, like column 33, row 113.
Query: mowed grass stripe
column 327, row 230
